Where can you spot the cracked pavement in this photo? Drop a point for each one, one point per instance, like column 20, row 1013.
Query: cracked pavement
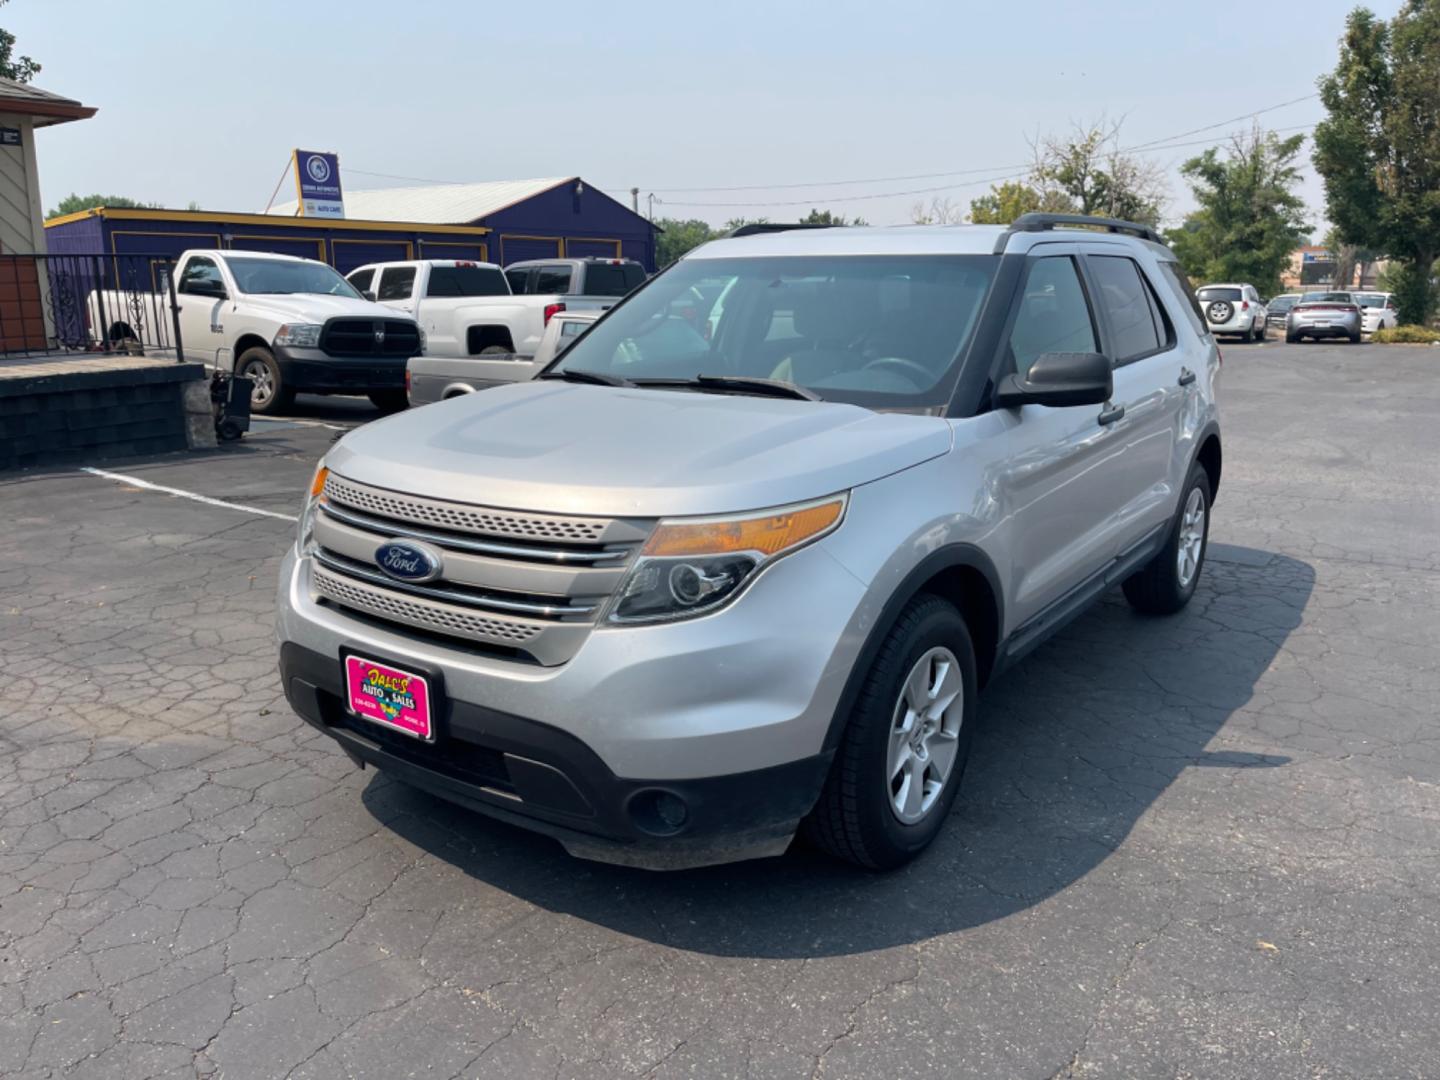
column 1203, row 846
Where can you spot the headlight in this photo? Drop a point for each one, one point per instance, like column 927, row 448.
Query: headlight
column 299, row 335
column 312, row 507
column 693, row 565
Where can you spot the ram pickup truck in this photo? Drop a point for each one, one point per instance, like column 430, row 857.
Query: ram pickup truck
column 434, row 378
column 285, row 323
column 466, row 308
column 688, row 592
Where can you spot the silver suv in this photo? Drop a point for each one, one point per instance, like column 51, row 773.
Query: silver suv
column 739, row 563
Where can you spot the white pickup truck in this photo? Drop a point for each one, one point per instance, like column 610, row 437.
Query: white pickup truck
column 467, row 308
column 286, row 324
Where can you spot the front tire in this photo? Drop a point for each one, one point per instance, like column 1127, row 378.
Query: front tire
column 268, row 393
column 1166, row 583
column 388, row 401
column 906, row 741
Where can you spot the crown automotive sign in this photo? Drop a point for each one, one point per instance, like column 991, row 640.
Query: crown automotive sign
column 317, row 178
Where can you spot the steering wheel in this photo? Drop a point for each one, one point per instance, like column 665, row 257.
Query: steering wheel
column 907, row 367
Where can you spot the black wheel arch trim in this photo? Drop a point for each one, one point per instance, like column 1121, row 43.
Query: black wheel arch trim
column 1211, row 427
column 950, row 557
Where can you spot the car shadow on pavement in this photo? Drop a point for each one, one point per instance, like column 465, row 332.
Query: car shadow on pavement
column 1074, row 745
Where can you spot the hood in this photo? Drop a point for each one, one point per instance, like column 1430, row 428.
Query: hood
column 568, row 448
column 317, row 307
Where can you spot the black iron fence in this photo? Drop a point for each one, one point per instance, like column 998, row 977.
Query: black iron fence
column 103, row 304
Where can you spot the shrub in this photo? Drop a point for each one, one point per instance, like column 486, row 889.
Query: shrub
column 1406, row 335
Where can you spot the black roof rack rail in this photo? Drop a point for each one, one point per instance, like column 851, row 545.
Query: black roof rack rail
column 1038, row 222
column 758, row 228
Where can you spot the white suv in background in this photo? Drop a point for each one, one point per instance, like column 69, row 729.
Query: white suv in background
column 1233, row 309
column 1377, row 311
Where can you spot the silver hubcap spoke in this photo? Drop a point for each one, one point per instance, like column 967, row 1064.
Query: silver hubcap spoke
column 1192, row 538
column 259, row 375
column 925, row 733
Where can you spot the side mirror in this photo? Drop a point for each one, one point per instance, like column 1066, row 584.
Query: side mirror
column 1059, row 379
column 369, row 294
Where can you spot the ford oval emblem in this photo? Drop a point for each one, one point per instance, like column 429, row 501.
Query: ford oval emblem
column 405, row 560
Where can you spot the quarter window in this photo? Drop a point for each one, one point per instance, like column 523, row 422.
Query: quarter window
column 396, row 283
column 1053, row 315
column 1127, row 308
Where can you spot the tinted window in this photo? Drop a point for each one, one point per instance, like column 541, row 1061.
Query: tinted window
column 880, row 331
column 1281, row 304
column 1053, row 315
column 1121, row 294
column 202, row 278
column 611, row 279
column 1211, row 293
column 517, row 280
column 552, row 279
column 396, row 283
column 466, row 281
column 361, row 279
column 1185, row 293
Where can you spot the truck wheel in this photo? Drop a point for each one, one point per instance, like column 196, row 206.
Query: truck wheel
column 388, row 401
column 898, row 767
column 268, row 394
column 1165, row 584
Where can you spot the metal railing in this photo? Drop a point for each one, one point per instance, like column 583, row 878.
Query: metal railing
column 101, row 304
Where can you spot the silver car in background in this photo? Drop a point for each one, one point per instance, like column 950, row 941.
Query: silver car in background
column 1322, row 315
column 435, row 378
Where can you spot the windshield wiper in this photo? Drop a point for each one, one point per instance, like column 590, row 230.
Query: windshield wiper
column 743, row 384
column 599, row 378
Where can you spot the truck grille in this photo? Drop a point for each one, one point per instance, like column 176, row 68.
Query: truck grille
column 518, row 582
column 370, row 337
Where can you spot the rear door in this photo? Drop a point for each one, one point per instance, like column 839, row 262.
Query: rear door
column 1141, row 340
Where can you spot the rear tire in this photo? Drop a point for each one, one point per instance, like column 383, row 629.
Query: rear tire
column 388, row 401
column 1166, row 583
column 269, row 394
column 1355, row 338
column 865, row 813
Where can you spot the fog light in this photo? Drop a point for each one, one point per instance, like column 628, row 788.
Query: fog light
column 660, row 813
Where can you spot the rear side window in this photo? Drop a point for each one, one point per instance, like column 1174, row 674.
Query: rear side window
column 1053, row 315
column 612, row 279
column 396, row 283
column 361, row 279
column 552, row 279
column 1185, row 293
column 466, row 281
column 1128, row 312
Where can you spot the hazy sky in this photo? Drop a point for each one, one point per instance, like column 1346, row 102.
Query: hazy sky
column 204, row 101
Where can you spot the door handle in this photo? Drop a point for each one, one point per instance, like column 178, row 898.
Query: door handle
column 1186, row 376
column 1110, row 415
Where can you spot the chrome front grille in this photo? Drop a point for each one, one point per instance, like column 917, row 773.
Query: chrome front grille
column 516, row 581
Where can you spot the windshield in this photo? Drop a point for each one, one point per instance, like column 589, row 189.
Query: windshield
column 1282, row 303
column 881, row 331
column 1371, row 299
column 281, row 276
column 1211, row 292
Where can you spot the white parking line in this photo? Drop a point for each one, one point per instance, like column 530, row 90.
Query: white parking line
column 135, row 481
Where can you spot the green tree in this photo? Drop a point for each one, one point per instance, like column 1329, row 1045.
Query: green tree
column 20, row 68
column 1249, row 218
column 73, row 204
column 1379, row 149
column 829, row 217
column 676, row 237
column 1090, row 172
column 1006, row 202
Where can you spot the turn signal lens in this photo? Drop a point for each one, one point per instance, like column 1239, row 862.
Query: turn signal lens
column 768, row 535
column 317, row 485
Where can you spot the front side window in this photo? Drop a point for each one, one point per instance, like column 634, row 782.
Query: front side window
column 880, row 331
column 396, row 283
column 1128, row 312
column 1053, row 315
column 283, row 277
column 201, row 278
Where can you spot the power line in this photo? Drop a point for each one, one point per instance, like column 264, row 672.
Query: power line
column 1148, row 149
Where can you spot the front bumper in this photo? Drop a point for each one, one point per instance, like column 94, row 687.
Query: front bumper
column 728, row 711
column 316, row 371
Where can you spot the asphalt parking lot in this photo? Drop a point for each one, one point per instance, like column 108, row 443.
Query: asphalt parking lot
column 1204, row 846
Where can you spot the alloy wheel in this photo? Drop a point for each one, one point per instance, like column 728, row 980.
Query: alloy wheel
column 1192, row 538
column 924, row 737
column 262, row 385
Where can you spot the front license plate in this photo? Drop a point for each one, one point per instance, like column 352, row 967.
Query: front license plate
column 387, row 695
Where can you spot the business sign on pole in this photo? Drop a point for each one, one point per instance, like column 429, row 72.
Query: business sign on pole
column 317, row 179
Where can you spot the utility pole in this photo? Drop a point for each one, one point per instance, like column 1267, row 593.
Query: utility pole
column 635, row 199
